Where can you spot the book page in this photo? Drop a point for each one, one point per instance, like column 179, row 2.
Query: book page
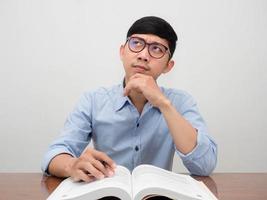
column 206, row 190
column 119, row 183
column 163, row 182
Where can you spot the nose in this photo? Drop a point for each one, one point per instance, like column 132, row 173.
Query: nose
column 144, row 55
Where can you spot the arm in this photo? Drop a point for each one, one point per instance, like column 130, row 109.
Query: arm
column 66, row 155
column 187, row 128
column 201, row 159
column 60, row 165
column 183, row 134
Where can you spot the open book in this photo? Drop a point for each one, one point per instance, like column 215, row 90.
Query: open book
column 145, row 182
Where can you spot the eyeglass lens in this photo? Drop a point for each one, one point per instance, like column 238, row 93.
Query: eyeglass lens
column 155, row 50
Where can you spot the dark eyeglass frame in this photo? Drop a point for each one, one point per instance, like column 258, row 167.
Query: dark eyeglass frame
column 149, row 45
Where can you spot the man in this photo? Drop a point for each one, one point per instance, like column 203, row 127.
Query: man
column 136, row 122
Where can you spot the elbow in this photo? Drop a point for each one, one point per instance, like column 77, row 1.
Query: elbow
column 205, row 167
column 203, row 170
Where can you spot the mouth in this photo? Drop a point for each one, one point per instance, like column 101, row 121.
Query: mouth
column 140, row 68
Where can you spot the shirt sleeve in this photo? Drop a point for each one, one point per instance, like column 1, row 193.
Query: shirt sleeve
column 75, row 135
column 203, row 158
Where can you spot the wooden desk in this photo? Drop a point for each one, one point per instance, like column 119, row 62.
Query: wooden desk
column 226, row 186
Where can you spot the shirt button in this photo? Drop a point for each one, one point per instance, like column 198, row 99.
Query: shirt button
column 137, row 124
column 136, row 148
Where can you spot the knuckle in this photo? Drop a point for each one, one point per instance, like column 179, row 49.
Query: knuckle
column 88, row 151
column 75, row 179
column 97, row 174
column 81, row 158
column 102, row 154
column 86, row 178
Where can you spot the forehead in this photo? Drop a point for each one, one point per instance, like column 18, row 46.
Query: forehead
column 149, row 38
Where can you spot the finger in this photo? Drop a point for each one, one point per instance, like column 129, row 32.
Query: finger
column 137, row 75
column 130, row 86
column 82, row 176
column 110, row 170
column 103, row 167
column 90, row 169
column 104, row 157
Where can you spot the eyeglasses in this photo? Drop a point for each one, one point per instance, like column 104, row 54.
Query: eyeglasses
column 155, row 50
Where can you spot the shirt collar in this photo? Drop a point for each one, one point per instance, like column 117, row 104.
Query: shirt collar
column 121, row 100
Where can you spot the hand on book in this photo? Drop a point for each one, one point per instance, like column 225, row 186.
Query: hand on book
column 91, row 165
column 146, row 182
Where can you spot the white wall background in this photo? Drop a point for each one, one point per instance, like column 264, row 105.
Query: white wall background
column 51, row 51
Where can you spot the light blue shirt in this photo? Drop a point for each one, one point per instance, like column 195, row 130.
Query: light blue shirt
column 130, row 139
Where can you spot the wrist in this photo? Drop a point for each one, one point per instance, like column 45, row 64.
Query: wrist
column 69, row 166
column 164, row 104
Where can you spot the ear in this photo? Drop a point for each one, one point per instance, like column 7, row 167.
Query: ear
column 121, row 51
column 169, row 66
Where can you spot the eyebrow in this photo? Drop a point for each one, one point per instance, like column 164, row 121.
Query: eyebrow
column 154, row 42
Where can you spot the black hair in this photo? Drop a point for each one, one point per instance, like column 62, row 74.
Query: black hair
column 156, row 26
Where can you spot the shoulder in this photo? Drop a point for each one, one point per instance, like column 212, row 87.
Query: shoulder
column 102, row 94
column 176, row 94
column 179, row 98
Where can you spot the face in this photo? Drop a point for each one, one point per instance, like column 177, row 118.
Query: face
column 143, row 62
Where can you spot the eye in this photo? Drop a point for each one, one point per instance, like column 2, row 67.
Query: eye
column 156, row 48
column 136, row 42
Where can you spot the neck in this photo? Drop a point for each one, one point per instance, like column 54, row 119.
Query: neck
column 138, row 100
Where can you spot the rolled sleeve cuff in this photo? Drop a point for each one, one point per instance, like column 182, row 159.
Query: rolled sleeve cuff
column 203, row 144
column 50, row 155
